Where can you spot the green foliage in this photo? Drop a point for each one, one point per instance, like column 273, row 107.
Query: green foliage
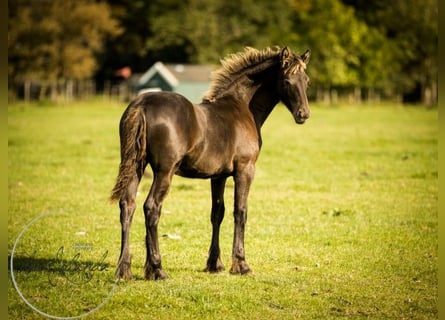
column 209, row 30
column 355, row 44
column 342, row 218
column 57, row 39
column 333, row 33
column 410, row 30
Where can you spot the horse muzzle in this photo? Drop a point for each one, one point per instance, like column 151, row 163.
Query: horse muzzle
column 301, row 116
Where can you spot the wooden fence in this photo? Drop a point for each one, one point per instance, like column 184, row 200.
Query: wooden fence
column 67, row 90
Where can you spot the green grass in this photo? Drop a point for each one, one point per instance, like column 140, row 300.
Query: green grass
column 342, row 220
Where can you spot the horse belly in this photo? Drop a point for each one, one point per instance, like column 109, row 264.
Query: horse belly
column 205, row 166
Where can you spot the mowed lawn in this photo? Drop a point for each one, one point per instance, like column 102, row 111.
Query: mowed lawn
column 342, row 220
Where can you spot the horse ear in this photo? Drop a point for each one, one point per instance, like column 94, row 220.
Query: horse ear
column 306, row 56
column 285, row 57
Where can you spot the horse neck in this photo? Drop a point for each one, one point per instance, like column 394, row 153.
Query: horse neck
column 262, row 103
column 264, row 97
column 257, row 91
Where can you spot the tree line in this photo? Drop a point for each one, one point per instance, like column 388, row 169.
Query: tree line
column 368, row 48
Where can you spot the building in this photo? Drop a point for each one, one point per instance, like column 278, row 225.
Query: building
column 192, row 81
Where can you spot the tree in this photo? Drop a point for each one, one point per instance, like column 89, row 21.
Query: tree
column 207, row 30
column 347, row 53
column 411, row 33
column 356, row 44
column 57, row 39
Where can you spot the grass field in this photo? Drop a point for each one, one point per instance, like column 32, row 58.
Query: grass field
column 342, row 221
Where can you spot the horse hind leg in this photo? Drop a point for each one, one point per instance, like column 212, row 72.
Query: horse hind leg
column 127, row 206
column 152, row 211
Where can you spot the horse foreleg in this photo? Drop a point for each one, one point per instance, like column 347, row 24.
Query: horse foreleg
column 127, row 207
column 214, row 263
column 243, row 180
column 152, row 212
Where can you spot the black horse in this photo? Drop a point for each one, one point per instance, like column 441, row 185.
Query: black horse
column 218, row 138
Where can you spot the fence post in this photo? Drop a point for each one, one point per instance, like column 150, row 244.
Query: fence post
column 27, row 90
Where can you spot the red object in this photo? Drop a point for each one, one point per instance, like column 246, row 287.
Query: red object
column 124, row 72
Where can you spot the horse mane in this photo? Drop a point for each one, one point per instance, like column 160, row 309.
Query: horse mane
column 248, row 62
column 235, row 65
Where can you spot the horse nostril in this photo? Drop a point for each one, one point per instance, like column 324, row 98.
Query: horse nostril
column 302, row 114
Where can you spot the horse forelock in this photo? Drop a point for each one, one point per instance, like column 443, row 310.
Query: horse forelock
column 296, row 66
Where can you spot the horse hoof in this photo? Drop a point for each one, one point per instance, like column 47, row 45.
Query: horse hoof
column 214, row 267
column 157, row 274
column 240, row 267
column 160, row 275
column 124, row 274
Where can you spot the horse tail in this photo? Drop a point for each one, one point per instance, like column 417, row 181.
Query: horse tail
column 133, row 135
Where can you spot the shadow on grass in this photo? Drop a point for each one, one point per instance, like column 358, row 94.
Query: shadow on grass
column 32, row 264
column 59, row 270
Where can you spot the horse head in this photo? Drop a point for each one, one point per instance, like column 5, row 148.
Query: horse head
column 292, row 88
